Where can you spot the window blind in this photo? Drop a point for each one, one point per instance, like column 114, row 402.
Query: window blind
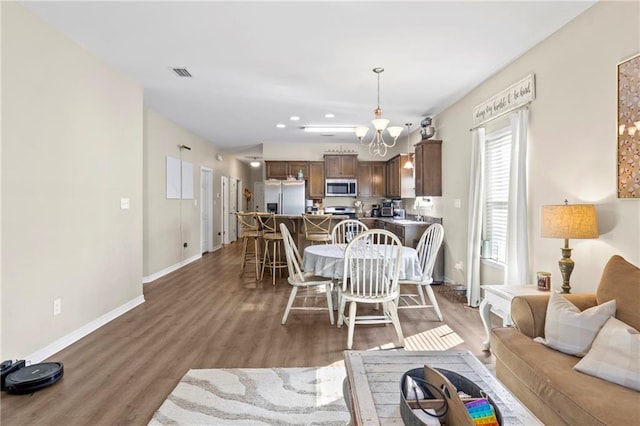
column 497, row 162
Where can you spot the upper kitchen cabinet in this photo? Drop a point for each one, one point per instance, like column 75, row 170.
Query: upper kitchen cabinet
column 400, row 182
column 296, row 167
column 282, row 169
column 371, row 179
column 316, row 179
column 340, row 166
column 428, row 168
column 276, row 169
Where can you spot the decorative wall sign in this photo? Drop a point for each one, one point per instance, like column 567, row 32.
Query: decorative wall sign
column 629, row 128
column 509, row 99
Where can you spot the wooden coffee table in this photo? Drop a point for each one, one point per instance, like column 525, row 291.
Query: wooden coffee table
column 372, row 389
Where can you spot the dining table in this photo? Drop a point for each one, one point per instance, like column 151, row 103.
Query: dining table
column 327, row 260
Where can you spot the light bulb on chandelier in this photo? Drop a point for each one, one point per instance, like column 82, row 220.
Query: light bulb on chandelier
column 377, row 145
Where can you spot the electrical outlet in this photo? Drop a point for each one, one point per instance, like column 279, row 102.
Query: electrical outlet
column 459, row 265
column 57, row 307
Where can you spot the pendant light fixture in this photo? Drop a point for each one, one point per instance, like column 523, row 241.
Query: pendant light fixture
column 377, row 145
column 255, row 162
column 408, row 164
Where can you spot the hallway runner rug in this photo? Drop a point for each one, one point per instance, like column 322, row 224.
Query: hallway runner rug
column 255, row 396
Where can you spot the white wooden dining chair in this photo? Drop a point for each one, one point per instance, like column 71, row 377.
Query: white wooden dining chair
column 299, row 279
column 345, row 230
column 370, row 276
column 427, row 249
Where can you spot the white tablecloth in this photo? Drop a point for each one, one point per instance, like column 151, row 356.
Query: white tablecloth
column 326, row 260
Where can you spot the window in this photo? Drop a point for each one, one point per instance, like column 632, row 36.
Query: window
column 497, row 162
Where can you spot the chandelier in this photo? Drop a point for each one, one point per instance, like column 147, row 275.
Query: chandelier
column 377, row 145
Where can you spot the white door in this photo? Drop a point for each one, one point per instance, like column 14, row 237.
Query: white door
column 225, row 209
column 233, row 208
column 258, row 197
column 206, row 209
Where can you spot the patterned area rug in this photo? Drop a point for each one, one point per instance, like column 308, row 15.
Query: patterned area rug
column 256, row 396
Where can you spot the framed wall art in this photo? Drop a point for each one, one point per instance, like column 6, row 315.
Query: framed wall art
column 629, row 128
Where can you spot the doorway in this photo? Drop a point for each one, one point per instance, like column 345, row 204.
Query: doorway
column 224, row 190
column 206, row 209
column 233, row 209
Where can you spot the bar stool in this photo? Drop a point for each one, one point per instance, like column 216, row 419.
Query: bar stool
column 317, row 227
column 250, row 229
column 272, row 237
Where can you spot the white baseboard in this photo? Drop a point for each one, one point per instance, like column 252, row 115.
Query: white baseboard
column 78, row 334
column 165, row 271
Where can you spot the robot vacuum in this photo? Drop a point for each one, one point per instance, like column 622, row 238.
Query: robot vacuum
column 34, row 377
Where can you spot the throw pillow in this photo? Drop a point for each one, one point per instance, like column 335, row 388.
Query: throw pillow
column 614, row 355
column 568, row 330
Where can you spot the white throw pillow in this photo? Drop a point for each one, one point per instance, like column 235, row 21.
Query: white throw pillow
column 568, row 330
column 614, row 355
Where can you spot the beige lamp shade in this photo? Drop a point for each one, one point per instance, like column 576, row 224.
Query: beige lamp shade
column 569, row 221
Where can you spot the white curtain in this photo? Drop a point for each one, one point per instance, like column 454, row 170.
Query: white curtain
column 517, row 268
column 476, row 207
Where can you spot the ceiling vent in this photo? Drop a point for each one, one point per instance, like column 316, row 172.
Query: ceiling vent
column 182, row 72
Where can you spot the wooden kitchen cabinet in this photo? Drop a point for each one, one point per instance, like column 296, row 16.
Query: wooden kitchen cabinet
column 393, row 181
column 400, row 182
column 283, row 169
column 341, row 166
column 428, row 168
column 296, row 166
column 369, row 222
column 315, row 181
column 371, row 179
column 398, row 230
column 276, row 169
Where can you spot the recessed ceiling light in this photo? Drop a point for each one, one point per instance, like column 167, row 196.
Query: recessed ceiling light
column 280, row 126
column 329, row 115
column 318, row 129
column 294, row 118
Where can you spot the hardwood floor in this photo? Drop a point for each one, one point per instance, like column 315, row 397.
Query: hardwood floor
column 205, row 316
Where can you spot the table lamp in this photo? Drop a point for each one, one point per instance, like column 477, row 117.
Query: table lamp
column 568, row 221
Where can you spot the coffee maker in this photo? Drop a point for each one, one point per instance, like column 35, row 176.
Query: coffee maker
column 375, row 210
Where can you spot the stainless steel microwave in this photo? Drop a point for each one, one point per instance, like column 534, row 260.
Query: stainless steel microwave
column 341, row 188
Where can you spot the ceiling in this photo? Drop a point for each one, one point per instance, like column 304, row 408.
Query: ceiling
column 256, row 64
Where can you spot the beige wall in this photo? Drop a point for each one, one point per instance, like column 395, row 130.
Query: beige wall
column 572, row 148
column 162, row 218
column 316, row 152
column 71, row 149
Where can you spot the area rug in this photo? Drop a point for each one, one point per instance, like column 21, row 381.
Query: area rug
column 256, row 396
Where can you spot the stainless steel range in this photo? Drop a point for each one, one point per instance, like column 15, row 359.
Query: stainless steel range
column 342, row 211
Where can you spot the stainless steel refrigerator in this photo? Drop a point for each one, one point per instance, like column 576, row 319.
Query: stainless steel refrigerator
column 284, row 196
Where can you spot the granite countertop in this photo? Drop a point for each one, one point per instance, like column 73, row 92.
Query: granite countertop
column 427, row 220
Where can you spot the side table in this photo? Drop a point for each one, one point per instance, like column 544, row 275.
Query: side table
column 497, row 299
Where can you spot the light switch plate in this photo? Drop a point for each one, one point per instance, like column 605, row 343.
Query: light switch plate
column 124, row 203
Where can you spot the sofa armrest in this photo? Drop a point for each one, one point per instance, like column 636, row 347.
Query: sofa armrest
column 529, row 312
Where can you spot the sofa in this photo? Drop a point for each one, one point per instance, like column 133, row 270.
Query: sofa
column 544, row 378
